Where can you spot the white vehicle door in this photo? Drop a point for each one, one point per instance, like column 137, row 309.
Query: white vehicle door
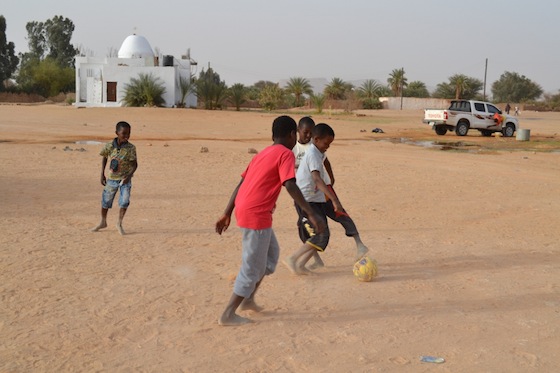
column 493, row 110
column 480, row 116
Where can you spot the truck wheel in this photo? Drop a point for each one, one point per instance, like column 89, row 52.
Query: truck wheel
column 508, row 130
column 440, row 130
column 462, row 128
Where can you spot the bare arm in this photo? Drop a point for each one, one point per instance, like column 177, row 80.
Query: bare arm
column 295, row 193
column 103, row 165
column 316, row 175
column 328, row 167
column 223, row 222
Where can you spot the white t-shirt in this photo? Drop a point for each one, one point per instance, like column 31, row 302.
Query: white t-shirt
column 311, row 161
column 299, row 151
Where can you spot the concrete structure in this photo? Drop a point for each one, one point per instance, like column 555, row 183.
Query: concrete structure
column 409, row 103
column 101, row 82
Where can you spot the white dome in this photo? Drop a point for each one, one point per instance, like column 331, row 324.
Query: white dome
column 135, row 46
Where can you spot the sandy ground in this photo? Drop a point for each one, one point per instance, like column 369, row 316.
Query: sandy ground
column 467, row 242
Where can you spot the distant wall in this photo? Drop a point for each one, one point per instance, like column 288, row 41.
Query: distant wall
column 394, row 103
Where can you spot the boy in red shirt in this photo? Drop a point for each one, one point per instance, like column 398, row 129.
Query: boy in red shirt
column 254, row 200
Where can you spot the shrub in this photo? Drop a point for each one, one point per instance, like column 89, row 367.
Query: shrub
column 144, row 91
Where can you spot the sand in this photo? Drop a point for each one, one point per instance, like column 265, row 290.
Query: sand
column 467, row 243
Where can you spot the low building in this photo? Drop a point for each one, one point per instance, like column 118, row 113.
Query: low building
column 101, row 82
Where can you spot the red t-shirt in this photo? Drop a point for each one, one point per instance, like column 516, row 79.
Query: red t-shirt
column 262, row 182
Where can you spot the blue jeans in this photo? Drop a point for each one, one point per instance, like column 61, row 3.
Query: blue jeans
column 110, row 191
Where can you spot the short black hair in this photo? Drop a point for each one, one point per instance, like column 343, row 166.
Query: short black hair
column 322, row 130
column 306, row 122
column 122, row 124
column 283, row 126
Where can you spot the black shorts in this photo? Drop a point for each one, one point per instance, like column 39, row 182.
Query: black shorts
column 306, row 230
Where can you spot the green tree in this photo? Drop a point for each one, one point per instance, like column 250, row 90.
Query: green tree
column 299, row 87
column 146, row 90
column 186, row 85
column 416, row 89
column 46, row 78
column 368, row 93
column 459, row 85
column 318, row 101
column 238, row 95
column 210, row 89
column 512, row 87
column 58, row 33
column 397, row 82
column 337, row 89
column 271, row 97
column 254, row 91
column 52, row 39
column 49, row 43
column 8, row 59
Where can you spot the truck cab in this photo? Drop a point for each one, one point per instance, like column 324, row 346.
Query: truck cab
column 463, row 115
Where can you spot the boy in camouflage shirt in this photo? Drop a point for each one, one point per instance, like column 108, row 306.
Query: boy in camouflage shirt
column 122, row 165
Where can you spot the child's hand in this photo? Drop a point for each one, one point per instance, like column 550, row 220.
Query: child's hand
column 103, row 180
column 222, row 224
column 317, row 223
column 337, row 206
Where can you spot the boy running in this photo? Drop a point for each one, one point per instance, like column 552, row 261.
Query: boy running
column 254, row 200
column 305, row 127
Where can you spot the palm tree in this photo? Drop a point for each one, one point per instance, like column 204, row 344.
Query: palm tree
column 417, row 89
column 186, row 86
column 369, row 93
column 397, row 81
column 210, row 89
column 271, row 97
column 460, row 83
column 337, row 88
column 144, row 91
column 369, row 89
column 238, row 95
column 318, row 101
column 298, row 87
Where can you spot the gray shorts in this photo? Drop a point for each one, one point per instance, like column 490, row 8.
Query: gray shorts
column 259, row 258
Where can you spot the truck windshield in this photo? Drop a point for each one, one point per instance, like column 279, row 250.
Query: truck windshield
column 460, row 106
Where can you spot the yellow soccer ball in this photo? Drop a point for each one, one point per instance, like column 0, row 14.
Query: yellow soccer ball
column 365, row 269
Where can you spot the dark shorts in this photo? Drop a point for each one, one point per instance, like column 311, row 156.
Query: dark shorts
column 306, row 230
column 341, row 217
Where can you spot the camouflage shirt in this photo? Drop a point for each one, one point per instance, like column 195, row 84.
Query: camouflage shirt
column 120, row 159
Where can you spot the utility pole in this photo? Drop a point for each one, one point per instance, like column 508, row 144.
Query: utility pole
column 402, row 84
column 485, row 71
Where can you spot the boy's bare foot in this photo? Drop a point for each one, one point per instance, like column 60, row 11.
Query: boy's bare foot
column 233, row 321
column 361, row 251
column 301, row 270
column 120, row 229
column 316, row 265
column 291, row 264
column 100, row 226
column 250, row 305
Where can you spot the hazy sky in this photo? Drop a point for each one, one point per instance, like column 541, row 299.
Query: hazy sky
column 250, row 40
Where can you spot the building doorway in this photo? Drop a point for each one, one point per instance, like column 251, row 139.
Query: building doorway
column 111, row 91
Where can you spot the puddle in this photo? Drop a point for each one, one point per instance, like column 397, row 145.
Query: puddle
column 88, row 142
column 440, row 145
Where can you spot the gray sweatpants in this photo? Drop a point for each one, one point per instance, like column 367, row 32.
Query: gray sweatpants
column 259, row 257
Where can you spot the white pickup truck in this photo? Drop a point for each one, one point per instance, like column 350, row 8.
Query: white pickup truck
column 464, row 115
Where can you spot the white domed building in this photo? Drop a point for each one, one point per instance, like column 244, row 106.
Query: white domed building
column 101, row 82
